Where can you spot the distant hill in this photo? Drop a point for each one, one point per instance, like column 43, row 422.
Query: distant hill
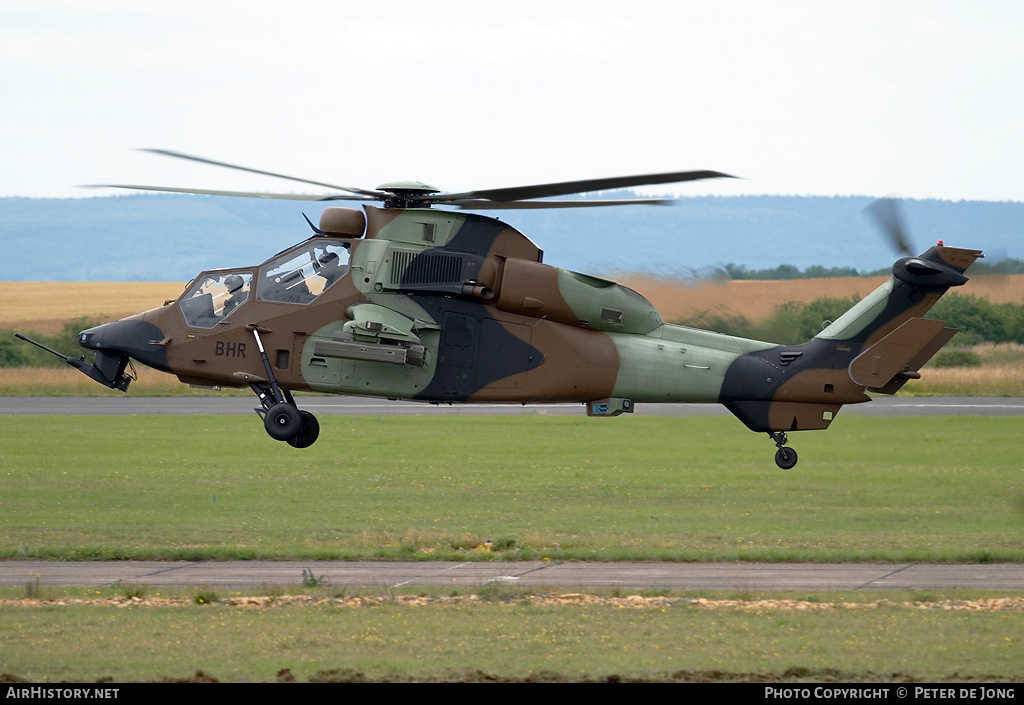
column 165, row 237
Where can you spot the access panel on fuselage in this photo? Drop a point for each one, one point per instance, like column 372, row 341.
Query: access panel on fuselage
column 476, row 350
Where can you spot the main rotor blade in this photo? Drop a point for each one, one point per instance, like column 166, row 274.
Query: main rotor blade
column 886, row 214
column 565, row 188
column 482, row 205
column 350, row 189
column 246, row 194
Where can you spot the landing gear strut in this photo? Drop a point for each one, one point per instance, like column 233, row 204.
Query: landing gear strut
column 785, row 458
column 281, row 417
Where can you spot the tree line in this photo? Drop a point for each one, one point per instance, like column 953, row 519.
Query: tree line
column 18, row 353
column 793, row 322
column 785, row 272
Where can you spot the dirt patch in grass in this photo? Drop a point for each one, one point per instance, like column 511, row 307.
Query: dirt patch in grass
column 991, row 604
column 791, row 675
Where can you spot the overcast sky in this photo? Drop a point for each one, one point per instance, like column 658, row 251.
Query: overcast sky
column 922, row 98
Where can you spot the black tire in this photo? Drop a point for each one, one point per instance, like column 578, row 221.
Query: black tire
column 785, row 458
column 308, row 432
column 283, row 422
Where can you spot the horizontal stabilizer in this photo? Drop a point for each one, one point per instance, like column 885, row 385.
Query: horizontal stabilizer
column 901, row 352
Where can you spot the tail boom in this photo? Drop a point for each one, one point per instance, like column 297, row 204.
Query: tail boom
column 878, row 345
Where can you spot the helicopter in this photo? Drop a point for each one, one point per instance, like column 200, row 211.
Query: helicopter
column 406, row 301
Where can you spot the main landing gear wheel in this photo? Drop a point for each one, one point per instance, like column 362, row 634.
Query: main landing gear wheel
column 283, row 421
column 308, row 432
column 281, row 417
column 785, row 458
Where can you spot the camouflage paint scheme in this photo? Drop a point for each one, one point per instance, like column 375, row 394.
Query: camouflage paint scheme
column 439, row 306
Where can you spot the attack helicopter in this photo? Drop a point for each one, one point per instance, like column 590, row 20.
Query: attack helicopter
column 406, row 301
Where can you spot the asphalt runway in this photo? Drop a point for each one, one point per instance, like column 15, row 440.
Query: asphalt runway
column 338, row 405
column 576, row 576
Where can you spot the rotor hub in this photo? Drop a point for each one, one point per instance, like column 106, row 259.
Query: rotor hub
column 407, row 194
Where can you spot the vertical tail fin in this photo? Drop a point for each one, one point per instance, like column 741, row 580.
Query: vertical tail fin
column 917, row 283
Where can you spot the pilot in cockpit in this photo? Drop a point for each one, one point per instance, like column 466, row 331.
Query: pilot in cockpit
column 236, row 296
column 331, row 268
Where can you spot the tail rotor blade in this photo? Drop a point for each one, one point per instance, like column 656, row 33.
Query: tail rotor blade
column 888, row 217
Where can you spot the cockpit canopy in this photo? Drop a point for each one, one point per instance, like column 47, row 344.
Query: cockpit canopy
column 303, row 273
column 296, row 276
column 215, row 296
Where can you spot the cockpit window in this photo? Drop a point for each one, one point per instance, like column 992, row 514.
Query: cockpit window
column 214, row 297
column 299, row 276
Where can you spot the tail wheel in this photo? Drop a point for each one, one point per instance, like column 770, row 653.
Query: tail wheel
column 785, row 458
column 308, row 432
column 283, row 422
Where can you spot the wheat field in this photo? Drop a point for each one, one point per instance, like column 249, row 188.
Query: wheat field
column 45, row 306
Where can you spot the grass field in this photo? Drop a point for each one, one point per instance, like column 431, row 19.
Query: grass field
column 213, row 487
column 520, row 637
column 993, row 379
column 426, row 487
column 69, row 382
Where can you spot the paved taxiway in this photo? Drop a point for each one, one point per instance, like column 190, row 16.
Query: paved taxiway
column 328, row 405
column 745, row 577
